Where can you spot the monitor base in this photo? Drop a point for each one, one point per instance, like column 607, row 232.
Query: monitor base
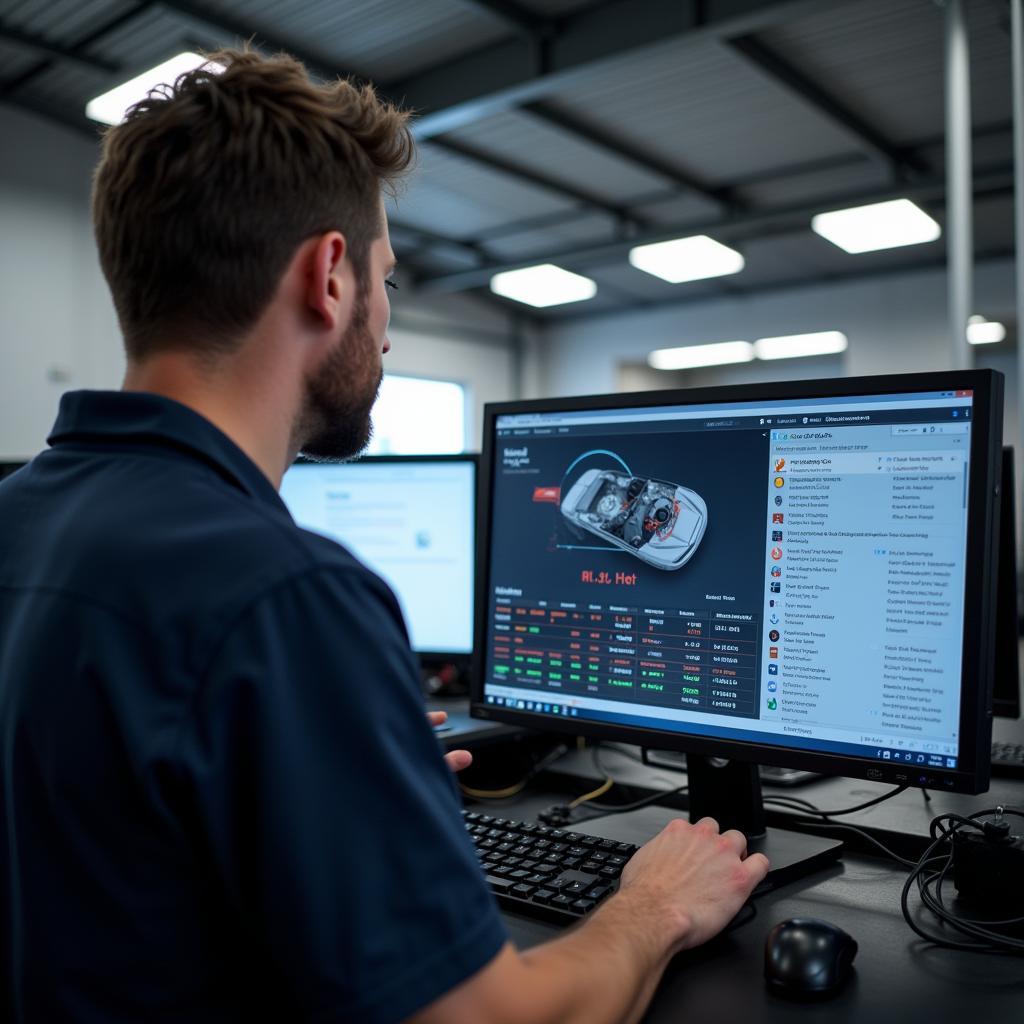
column 792, row 855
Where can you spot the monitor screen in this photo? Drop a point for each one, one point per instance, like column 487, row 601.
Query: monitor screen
column 411, row 520
column 798, row 574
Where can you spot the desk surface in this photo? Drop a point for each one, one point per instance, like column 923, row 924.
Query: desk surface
column 898, row 977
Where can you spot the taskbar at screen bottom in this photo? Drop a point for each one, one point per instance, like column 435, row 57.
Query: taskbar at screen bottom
column 572, row 709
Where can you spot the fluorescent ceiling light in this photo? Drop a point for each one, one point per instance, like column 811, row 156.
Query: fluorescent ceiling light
column 877, row 226
column 821, row 343
column 686, row 259
column 112, row 106
column 543, row 285
column 690, row 356
column 984, row 332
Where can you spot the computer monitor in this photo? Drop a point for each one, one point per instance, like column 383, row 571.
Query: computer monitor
column 1006, row 680
column 798, row 574
column 411, row 519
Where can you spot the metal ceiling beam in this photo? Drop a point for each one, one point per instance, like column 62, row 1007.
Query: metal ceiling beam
column 622, row 214
column 736, row 229
column 720, row 197
column 38, row 44
column 902, row 165
column 494, row 78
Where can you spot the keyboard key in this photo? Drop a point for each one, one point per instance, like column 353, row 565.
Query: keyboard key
column 522, row 889
column 590, row 865
column 536, row 880
column 575, row 888
column 561, row 901
column 598, row 892
column 609, row 872
column 543, row 895
column 583, row 905
column 626, row 849
column 589, row 841
column 499, row 884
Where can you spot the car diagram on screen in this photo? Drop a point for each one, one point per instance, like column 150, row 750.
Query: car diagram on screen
column 659, row 522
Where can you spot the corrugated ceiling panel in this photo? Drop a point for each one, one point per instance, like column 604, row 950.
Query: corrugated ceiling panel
column 883, row 59
column 455, row 197
column 584, row 231
column 859, row 176
column 704, row 109
column 386, row 39
column 531, row 143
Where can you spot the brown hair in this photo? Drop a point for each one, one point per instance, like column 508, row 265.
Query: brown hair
column 205, row 191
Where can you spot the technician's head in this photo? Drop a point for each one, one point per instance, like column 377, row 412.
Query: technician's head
column 248, row 203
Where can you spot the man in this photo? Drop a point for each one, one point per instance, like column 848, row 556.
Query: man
column 221, row 799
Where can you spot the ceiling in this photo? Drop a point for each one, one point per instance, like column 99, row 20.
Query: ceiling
column 567, row 131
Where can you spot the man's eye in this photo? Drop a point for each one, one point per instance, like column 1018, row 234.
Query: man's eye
column 390, row 283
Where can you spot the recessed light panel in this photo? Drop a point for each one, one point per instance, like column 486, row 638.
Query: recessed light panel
column 790, row 346
column 686, row 259
column 689, row 356
column 112, row 106
column 984, row 332
column 877, row 226
column 543, row 285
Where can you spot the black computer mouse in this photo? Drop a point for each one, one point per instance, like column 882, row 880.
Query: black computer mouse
column 805, row 957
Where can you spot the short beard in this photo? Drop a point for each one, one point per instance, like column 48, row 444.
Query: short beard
column 334, row 423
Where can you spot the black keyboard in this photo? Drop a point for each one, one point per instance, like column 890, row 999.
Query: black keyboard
column 546, row 873
column 1008, row 759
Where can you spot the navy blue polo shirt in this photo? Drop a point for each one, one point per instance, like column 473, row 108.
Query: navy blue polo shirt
column 219, row 797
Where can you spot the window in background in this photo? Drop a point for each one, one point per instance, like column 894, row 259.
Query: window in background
column 415, row 416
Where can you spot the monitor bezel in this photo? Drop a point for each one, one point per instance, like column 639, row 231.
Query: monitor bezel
column 973, row 764
column 431, row 657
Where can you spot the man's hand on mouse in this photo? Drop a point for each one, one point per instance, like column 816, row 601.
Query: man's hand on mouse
column 457, row 759
column 692, row 879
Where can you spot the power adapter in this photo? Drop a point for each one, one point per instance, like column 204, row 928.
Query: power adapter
column 988, row 866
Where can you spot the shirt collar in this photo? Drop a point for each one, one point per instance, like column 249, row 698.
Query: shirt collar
column 136, row 417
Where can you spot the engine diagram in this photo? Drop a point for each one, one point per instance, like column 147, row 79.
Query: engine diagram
column 659, row 522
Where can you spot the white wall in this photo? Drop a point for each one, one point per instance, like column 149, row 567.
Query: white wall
column 57, row 324
column 58, row 330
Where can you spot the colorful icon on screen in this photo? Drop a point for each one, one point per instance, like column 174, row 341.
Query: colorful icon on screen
column 780, row 481
column 776, row 554
column 776, row 571
column 774, row 635
column 778, row 517
column 773, row 670
column 772, row 703
column 776, row 536
column 780, row 465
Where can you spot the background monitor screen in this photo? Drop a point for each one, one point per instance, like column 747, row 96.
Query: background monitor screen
column 411, row 520
column 799, row 574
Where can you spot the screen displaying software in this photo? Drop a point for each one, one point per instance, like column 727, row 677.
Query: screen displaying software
column 412, row 523
column 789, row 573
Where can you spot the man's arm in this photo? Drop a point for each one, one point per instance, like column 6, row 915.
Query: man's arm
column 677, row 892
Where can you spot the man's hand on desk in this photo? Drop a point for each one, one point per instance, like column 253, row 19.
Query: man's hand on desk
column 457, row 759
column 677, row 891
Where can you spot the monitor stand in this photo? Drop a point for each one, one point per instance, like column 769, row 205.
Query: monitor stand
column 730, row 792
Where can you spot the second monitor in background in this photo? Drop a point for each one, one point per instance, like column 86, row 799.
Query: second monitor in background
column 411, row 520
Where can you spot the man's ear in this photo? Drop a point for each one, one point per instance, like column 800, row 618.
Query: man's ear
column 329, row 281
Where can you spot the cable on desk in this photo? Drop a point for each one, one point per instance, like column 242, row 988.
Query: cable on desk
column 796, row 803
column 931, row 872
column 502, row 794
